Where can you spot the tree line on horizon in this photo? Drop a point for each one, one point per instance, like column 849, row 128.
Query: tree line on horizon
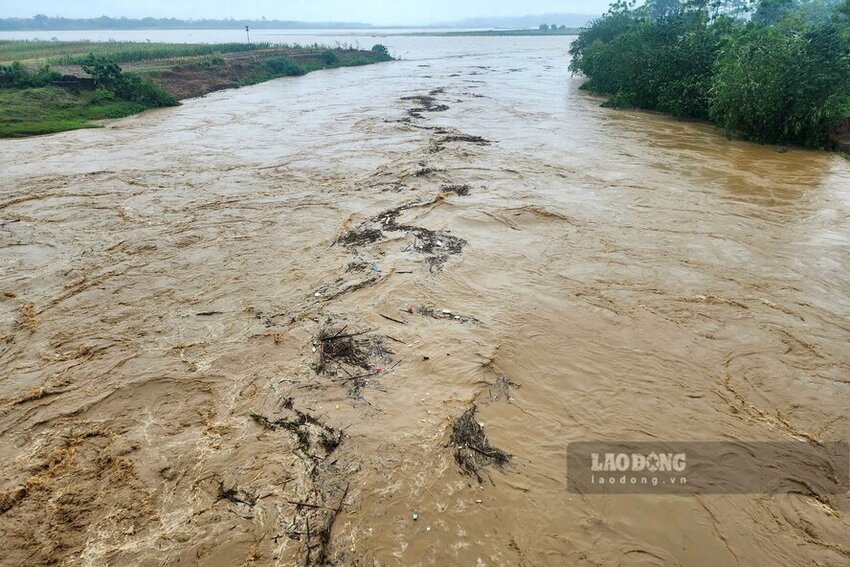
column 46, row 23
column 775, row 71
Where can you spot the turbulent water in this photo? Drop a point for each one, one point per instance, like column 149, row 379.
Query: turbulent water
column 498, row 239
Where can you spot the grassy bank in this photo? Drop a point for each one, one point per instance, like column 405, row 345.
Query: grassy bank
column 48, row 87
column 69, row 52
column 45, row 110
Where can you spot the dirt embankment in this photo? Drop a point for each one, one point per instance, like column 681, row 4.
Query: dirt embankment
column 231, row 70
column 189, row 77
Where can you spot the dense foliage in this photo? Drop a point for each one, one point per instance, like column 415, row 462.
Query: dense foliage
column 106, row 73
column 773, row 71
column 109, row 76
column 16, row 76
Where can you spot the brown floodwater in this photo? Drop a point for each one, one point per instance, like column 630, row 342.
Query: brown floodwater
column 609, row 276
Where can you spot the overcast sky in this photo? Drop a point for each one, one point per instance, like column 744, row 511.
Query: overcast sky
column 380, row 12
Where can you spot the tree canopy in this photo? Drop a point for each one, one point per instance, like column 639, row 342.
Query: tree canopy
column 772, row 70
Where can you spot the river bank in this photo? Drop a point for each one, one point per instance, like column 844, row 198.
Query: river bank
column 70, row 99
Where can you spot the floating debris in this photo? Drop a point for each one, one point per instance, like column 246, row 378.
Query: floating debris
column 465, row 138
column 308, row 429
column 359, row 236
column 235, row 495
column 472, row 451
column 426, row 103
column 437, row 245
column 447, row 314
column 352, row 357
column 440, row 144
column 501, row 389
column 459, row 190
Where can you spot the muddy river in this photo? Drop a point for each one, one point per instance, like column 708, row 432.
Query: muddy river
column 240, row 331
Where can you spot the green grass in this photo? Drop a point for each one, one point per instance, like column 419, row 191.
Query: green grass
column 285, row 67
column 45, row 110
column 70, row 52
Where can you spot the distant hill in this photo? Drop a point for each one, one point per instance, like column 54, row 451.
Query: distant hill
column 45, row 23
column 569, row 20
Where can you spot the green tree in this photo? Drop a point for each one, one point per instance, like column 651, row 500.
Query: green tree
column 381, row 51
column 782, row 83
column 103, row 70
column 783, row 78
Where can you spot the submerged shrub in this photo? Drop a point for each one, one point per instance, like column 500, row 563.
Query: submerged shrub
column 329, row 58
column 283, row 66
column 381, row 51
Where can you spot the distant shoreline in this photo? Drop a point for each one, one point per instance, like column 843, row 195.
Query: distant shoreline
column 495, row 33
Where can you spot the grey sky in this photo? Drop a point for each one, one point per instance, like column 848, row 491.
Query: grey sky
column 368, row 11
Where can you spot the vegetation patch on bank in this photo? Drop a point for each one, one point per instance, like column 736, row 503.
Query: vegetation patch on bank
column 775, row 71
column 48, row 87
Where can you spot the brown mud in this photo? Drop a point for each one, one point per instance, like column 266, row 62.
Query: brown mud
column 274, row 326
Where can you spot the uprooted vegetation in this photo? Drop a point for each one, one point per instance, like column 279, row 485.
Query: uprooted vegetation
column 365, row 235
column 459, row 190
column 314, row 514
column 500, row 390
column 353, row 357
column 309, row 431
column 425, row 103
column 429, row 103
column 447, row 314
column 439, row 144
column 472, row 450
column 436, row 245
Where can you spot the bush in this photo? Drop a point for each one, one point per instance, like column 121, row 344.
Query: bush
column 329, row 58
column 283, row 67
column 110, row 78
column 17, row 76
column 381, row 51
column 103, row 95
column 133, row 88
